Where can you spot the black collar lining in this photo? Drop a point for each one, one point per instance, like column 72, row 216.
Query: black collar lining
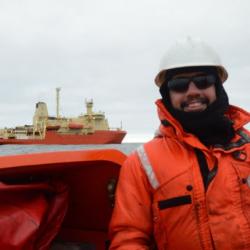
column 243, row 140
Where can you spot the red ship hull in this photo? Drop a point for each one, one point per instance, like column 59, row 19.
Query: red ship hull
column 53, row 137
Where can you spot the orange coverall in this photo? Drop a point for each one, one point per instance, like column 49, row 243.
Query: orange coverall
column 162, row 197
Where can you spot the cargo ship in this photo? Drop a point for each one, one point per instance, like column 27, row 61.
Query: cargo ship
column 89, row 128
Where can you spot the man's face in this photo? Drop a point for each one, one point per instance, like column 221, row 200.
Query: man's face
column 193, row 98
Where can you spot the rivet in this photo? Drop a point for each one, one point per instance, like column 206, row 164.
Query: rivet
column 244, row 181
column 155, row 218
column 240, row 155
column 189, row 187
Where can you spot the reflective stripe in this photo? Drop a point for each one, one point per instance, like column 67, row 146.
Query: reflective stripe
column 147, row 167
column 248, row 181
column 244, row 135
column 242, row 141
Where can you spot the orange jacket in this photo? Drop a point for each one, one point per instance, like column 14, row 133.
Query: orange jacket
column 161, row 194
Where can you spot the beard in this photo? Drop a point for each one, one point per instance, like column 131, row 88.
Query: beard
column 211, row 126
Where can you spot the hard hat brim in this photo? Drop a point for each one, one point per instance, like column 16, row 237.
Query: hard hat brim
column 161, row 76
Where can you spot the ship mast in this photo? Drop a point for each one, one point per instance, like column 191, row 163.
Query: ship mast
column 57, row 101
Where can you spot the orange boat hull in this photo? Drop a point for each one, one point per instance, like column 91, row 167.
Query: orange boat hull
column 86, row 173
column 53, row 137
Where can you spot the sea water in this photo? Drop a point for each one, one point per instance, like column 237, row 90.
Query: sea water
column 126, row 148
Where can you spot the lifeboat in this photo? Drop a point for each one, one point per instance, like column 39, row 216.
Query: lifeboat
column 75, row 126
column 58, row 200
column 53, row 127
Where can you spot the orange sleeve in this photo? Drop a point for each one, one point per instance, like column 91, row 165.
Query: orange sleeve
column 131, row 224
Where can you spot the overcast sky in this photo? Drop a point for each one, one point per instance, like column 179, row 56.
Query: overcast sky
column 110, row 51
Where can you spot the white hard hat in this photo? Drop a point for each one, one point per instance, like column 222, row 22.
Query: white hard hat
column 189, row 53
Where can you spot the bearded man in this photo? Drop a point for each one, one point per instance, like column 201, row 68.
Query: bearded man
column 188, row 188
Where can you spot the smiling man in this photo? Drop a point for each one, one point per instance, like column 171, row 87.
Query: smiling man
column 192, row 92
column 195, row 96
column 189, row 187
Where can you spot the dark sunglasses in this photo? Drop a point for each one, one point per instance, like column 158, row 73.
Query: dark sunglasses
column 201, row 82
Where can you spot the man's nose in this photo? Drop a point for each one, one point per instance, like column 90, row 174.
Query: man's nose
column 192, row 89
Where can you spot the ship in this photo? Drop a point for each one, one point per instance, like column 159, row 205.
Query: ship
column 88, row 128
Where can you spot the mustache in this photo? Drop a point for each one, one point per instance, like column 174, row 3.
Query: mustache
column 203, row 100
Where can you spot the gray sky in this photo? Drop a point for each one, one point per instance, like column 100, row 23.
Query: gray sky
column 110, row 51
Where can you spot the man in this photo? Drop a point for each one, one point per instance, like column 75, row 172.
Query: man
column 188, row 188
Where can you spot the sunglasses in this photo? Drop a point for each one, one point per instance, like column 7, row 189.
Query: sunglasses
column 201, row 82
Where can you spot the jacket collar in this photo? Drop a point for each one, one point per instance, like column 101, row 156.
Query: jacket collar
column 170, row 127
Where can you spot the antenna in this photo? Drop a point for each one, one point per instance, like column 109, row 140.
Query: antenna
column 57, row 102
